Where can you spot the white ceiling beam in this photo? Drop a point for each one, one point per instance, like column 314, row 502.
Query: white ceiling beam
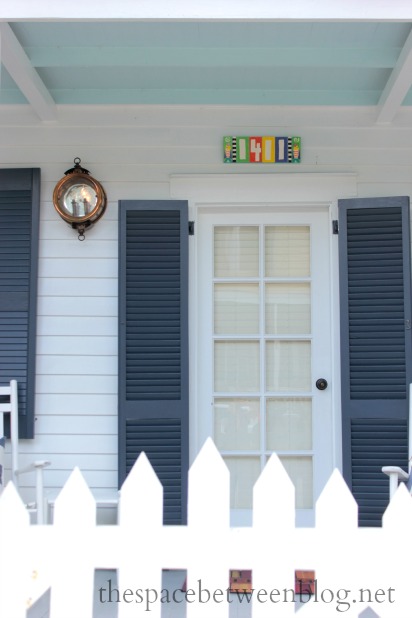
column 349, row 10
column 397, row 86
column 25, row 76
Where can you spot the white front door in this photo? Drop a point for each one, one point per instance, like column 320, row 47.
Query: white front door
column 264, row 339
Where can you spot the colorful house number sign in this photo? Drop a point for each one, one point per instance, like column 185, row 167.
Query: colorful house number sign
column 266, row 149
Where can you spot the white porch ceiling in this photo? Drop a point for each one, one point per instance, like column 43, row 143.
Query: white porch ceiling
column 48, row 61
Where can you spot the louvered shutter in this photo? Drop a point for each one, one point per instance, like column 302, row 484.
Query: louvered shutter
column 19, row 239
column 375, row 292
column 153, row 345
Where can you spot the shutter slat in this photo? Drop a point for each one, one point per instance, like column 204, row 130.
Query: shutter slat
column 19, row 229
column 155, row 316
column 373, row 447
column 376, row 346
column 153, row 351
column 384, row 270
column 160, row 439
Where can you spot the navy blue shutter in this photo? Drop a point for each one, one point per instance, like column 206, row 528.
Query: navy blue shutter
column 153, row 345
column 375, row 292
column 19, row 239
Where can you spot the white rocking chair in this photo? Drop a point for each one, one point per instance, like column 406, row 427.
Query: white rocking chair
column 11, row 408
column 398, row 475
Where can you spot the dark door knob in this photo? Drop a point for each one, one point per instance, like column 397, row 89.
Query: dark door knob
column 321, row 384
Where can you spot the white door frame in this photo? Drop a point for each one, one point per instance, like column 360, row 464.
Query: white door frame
column 231, row 192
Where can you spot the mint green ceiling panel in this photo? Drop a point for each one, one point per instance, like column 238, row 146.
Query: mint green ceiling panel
column 408, row 98
column 284, row 63
column 214, row 34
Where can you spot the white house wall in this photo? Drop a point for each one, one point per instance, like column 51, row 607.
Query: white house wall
column 133, row 152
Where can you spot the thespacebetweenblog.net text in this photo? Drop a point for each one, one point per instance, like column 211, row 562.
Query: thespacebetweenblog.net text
column 341, row 599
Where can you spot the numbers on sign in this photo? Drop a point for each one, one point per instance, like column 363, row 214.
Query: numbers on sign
column 255, row 149
column 268, row 147
column 243, row 150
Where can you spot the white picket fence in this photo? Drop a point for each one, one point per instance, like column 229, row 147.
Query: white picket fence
column 355, row 568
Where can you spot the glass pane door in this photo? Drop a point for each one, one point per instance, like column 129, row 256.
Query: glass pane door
column 262, row 354
column 266, row 341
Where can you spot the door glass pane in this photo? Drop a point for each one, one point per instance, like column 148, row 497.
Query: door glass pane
column 237, row 426
column 236, row 251
column 288, row 366
column 287, row 309
column 236, row 308
column 236, row 366
column 289, row 424
column 287, row 251
column 244, row 472
column 300, row 472
column 262, row 326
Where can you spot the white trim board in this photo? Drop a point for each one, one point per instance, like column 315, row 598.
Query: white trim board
column 25, row 76
column 348, row 10
column 253, row 188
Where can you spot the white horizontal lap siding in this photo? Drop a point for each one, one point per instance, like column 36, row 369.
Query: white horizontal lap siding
column 133, row 152
column 81, row 270
column 71, row 305
column 103, row 345
column 103, row 462
column 83, row 365
column 76, row 372
column 76, row 325
column 107, row 287
column 101, row 404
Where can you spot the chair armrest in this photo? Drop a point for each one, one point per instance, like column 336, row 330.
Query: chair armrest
column 38, row 467
column 396, row 475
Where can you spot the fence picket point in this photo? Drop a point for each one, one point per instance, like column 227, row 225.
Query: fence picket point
column 73, row 549
column 342, row 555
column 398, row 513
column 209, row 489
column 141, row 496
column 336, row 508
column 140, row 529
column 274, row 497
column 273, row 565
column 208, row 530
column 338, row 538
column 12, row 509
column 14, row 569
column 75, row 505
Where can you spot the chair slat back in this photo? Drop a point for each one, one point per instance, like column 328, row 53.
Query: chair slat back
column 10, row 407
column 4, row 408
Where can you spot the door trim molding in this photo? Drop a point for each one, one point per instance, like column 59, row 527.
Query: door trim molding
column 279, row 187
column 268, row 192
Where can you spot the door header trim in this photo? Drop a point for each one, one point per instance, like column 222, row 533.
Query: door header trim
column 254, row 188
